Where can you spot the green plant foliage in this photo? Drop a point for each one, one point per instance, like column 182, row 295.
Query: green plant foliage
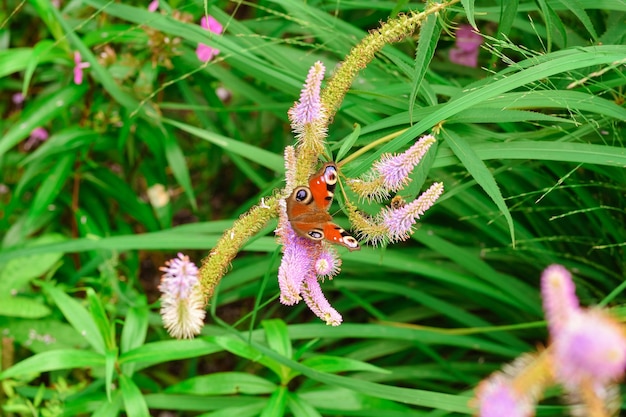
column 157, row 152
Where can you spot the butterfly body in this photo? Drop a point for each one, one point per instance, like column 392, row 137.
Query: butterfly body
column 307, row 209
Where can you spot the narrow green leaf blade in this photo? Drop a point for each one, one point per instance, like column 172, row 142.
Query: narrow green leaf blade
column 54, row 360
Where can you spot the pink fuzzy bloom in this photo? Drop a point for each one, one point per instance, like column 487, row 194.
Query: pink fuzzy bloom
column 309, row 108
column 395, row 169
column 182, row 302
column 78, row 68
column 465, row 51
column 205, row 52
column 399, row 222
column 559, row 296
column 314, row 298
column 589, row 347
column 496, row 397
column 328, row 263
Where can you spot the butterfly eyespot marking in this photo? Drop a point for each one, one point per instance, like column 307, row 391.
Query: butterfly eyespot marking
column 350, row 242
column 330, row 175
column 303, row 195
column 316, row 234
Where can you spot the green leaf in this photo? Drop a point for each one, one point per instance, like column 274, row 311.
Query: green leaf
column 134, row 403
column 178, row 164
column 135, row 325
column 39, row 112
column 15, row 306
column 78, row 317
column 19, row 271
column 348, row 142
column 223, row 383
column 101, row 319
column 276, row 404
column 50, row 187
column 240, row 348
column 479, row 171
column 54, row 360
column 300, row 407
column 278, row 337
column 335, row 364
column 429, row 37
column 261, row 156
column 169, row 350
column 468, row 5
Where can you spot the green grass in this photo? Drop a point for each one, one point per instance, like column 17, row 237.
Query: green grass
column 145, row 160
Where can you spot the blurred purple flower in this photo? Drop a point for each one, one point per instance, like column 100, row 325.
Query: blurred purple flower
column 153, row 6
column 497, row 397
column 205, row 52
column 38, row 135
column 589, row 346
column 18, row 98
column 465, row 51
column 78, row 68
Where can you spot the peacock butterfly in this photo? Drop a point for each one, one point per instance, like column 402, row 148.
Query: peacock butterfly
column 307, row 209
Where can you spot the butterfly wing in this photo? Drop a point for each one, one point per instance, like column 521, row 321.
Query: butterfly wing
column 322, row 185
column 335, row 234
column 307, row 209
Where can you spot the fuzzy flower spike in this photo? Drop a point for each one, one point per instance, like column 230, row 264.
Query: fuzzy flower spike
column 182, row 303
column 588, row 345
column 305, row 261
column 391, row 172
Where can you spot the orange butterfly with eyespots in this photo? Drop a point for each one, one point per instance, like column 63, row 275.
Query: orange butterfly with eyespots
column 307, row 209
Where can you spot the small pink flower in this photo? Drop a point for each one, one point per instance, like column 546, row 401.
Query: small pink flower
column 328, row 263
column 205, row 52
column 38, row 135
column 153, row 6
column 78, row 68
column 465, row 51
column 496, row 397
column 182, row 302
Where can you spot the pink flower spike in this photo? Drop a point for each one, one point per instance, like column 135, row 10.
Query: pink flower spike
column 153, row 6
column 496, row 397
column 309, row 108
column 314, row 298
column 465, row 51
column 589, row 347
column 399, row 222
column 78, row 68
column 297, row 262
column 395, row 169
column 559, row 297
column 205, row 52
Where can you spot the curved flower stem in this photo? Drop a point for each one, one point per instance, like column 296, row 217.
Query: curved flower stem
column 369, row 146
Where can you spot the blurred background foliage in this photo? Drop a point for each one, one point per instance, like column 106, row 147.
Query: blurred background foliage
column 156, row 152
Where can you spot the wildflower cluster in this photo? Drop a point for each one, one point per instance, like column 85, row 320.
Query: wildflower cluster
column 586, row 356
column 306, row 261
column 308, row 257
